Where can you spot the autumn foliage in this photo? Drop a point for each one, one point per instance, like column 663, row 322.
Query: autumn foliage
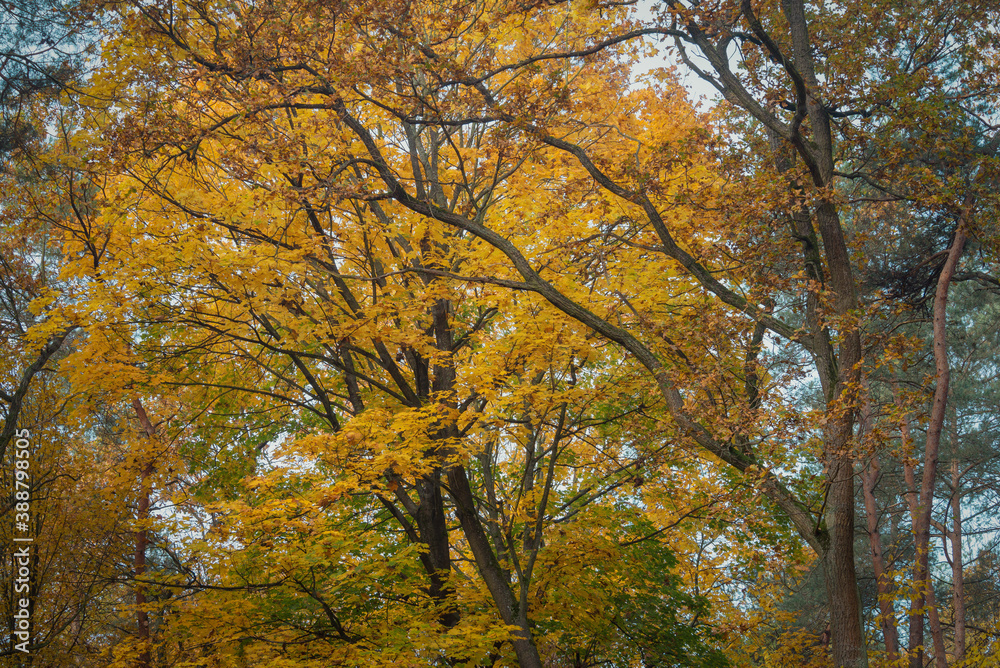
column 419, row 333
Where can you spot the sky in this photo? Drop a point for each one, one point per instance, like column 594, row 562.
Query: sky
column 699, row 90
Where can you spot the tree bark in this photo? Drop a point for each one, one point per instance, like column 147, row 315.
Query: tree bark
column 846, row 632
column 490, row 569
column 887, row 615
column 433, row 528
column 928, row 604
column 957, row 562
column 942, row 372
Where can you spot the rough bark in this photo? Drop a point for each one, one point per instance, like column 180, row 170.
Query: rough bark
column 846, row 631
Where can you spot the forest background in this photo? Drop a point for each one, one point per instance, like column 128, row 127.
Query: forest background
column 422, row 333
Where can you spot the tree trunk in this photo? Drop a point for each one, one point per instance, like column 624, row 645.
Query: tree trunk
column 922, row 518
column 846, row 632
column 887, row 615
column 957, row 563
column 490, row 569
column 869, row 479
column 928, row 602
column 433, row 527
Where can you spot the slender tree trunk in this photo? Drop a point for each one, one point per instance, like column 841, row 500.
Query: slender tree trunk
column 922, row 519
column 490, row 569
column 916, row 616
column 927, row 603
column 934, row 621
column 869, row 479
column 887, row 615
column 915, row 645
column 957, row 563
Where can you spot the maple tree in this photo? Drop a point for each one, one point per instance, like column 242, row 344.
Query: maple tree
column 262, row 305
column 57, row 478
column 393, row 271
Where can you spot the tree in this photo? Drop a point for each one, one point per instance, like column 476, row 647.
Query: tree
column 53, row 451
column 41, row 50
column 266, row 298
column 334, row 201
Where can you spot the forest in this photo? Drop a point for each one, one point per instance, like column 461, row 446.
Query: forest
column 466, row 334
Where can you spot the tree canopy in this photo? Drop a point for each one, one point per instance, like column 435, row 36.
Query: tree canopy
column 413, row 332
